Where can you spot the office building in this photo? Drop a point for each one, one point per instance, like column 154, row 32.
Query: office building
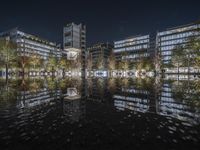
column 74, row 42
column 167, row 40
column 99, row 55
column 134, row 48
column 28, row 44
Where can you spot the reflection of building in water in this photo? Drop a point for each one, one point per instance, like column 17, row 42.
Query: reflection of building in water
column 131, row 103
column 169, row 106
column 27, row 99
column 97, row 89
column 162, row 102
column 72, row 93
column 74, row 109
column 73, row 105
column 133, row 99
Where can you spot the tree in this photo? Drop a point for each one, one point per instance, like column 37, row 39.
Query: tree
column 89, row 62
column 157, row 61
column 64, row 64
column 78, row 61
column 125, row 65
column 35, row 59
column 8, row 53
column 195, row 46
column 197, row 61
column 140, row 65
column 132, row 65
column 23, row 61
column 192, row 51
column 148, row 64
column 100, row 62
column 178, row 56
column 52, row 62
column 111, row 61
column 125, row 62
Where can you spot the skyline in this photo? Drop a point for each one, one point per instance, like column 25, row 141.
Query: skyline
column 99, row 74
column 102, row 26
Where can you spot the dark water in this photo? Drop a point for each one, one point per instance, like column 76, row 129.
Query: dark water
column 99, row 113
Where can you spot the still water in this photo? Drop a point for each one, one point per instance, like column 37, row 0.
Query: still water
column 99, row 113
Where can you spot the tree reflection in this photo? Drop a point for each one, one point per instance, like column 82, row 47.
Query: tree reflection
column 112, row 85
column 35, row 86
column 178, row 90
column 8, row 90
column 193, row 93
column 101, row 86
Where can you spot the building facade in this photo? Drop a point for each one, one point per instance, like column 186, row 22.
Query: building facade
column 74, row 42
column 98, row 55
column 74, row 36
column 28, row 44
column 158, row 46
column 168, row 40
column 132, row 49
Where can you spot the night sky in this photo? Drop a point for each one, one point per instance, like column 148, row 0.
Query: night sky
column 106, row 20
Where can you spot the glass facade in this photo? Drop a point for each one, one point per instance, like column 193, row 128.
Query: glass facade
column 29, row 44
column 135, row 47
column 102, row 50
column 74, row 36
column 167, row 40
column 74, row 41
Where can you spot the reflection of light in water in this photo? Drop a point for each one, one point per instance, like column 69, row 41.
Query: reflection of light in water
column 166, row 104
column 100, row 73
column 131, row 103
column 72, row 93
column 132, row 90
column 180, row 77
column 169, row 105
column 73, row 109
column 28, row 100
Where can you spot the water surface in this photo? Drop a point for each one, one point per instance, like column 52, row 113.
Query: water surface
column 99, row 113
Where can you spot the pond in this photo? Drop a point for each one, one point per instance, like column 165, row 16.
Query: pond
column 99, row 113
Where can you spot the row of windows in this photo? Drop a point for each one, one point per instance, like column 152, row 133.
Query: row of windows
column 34, row 43
column 167, row 53
column 166, row 58
column 138, row 47
column 167, row 94
column 179, row 30
column 67, row 29
column 28, row 50
column 135, row 56
column 38, row 48
column 175, row 36
column 132, row 39
column 28, row 54
column 167, row 89
column 132, row 90
column 131, row 43
column 134, row 99
column 173, row 42
column 67, row 39
column 165, row 48
column 131, row 106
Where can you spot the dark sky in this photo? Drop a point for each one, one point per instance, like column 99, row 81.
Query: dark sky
column 106, row 20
